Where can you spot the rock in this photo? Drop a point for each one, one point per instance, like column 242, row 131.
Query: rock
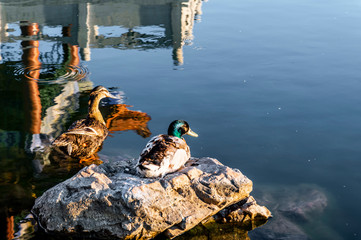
column 305, row 204
column 110, row 201
column 241, row 212
column 233, row 222
column 279, row 228
column 214, row 231
column 299, row 203
column 292, row 207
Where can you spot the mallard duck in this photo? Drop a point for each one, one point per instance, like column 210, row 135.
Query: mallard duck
column 85, row 136
column 166, row 153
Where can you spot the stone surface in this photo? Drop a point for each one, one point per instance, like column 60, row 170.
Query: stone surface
column 232, row 222
column 110, row 201
column 245, row 212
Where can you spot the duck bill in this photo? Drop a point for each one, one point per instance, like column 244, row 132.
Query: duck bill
column 191, row 133
column 112, row 96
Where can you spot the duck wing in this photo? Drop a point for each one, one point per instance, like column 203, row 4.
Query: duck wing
column 163, row 154
column 82, row 139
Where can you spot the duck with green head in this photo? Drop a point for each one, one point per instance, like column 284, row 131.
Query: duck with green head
column 85, row 136
column 166, row 153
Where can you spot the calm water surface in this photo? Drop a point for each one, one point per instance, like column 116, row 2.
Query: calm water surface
column 272, row 87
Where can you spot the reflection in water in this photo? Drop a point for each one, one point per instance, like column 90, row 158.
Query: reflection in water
column 48, row 68
column 44, row 83
column 31, row 94
column 123, row 24
column 122, row 119
column 45, row 111
column 216, row 231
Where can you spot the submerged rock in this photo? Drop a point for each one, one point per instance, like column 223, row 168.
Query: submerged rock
column 292, row 207
column 110, row 201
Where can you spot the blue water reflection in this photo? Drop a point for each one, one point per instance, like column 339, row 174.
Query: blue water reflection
column 272, row 88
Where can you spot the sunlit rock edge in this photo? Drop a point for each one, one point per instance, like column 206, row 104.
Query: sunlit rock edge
column 111, row 201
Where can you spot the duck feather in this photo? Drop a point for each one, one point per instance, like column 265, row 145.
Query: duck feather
column 163, row 154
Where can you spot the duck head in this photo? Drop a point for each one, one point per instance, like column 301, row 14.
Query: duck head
column 178, row 128
column 100, row 92
column 96, row 95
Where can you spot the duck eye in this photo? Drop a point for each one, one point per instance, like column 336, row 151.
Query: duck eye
column 182, row 130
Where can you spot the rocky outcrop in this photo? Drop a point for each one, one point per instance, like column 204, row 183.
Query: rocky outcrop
column 247, row 212
column 110, row 201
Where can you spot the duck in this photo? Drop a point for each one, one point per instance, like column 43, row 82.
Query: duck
column 166, row 153
column 85, row 136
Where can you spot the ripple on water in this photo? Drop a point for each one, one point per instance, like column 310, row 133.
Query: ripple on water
column 54, row 73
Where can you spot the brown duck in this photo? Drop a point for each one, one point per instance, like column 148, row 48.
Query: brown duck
column 85, row 136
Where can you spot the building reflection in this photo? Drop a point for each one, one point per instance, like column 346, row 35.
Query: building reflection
column 21, row 128
column 39, row 102
column 171, row 23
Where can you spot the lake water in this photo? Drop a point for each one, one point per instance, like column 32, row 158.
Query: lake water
column 271, row 87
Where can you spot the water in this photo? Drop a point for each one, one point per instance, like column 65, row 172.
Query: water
column 271, row 87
